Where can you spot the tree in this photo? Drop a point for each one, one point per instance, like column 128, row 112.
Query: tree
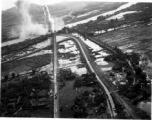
column 13, row 75
column 100, row 18
column 78, row 83
column 6, row 77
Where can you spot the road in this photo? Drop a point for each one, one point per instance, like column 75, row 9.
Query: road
column 128, row 109
column 55, row 72
column 103, row 80
column 86, row 55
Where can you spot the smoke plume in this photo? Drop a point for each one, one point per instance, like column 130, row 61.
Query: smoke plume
column 58, row 23
column 49, row 22
column 28, row 27
column 52, row 24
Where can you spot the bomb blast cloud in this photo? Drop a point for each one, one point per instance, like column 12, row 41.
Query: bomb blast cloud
column 53, row 24
column 48, row 20
column 58, row 24
column 28, row 27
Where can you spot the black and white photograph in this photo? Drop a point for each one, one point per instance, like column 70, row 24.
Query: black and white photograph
column 80, row 59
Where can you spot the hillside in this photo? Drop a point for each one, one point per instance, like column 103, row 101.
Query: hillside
column 11, row 17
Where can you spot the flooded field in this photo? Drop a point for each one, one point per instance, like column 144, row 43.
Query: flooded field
column 26, row 85
column 98, row 53
column 75, row 80
column 137, row 39
column 133, row 38
column 26, row 51
column 77, row 86
column 79, row 91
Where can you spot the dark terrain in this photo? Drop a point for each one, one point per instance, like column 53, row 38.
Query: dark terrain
column 133, row 69
column 67, row 10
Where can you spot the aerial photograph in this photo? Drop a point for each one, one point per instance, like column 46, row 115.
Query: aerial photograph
column 76, row 59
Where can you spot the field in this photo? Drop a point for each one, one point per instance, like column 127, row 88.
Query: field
column 121, row 55
column 137, row 38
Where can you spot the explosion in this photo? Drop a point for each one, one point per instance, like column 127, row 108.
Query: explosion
column 48, row 20
column 28, row 27
column 53, row 24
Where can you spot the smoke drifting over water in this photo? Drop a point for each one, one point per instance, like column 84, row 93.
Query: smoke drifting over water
column 28, row 27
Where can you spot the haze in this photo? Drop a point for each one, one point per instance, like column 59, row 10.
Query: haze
column 5, row 4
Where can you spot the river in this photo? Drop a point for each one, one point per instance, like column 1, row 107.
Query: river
column 79, row 22
column 104, row 14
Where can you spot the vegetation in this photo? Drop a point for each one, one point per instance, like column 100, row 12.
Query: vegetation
column 143, row 15
column 25, row 93
column 90, row 100
column 28, row 88
column 19, row 46
column 137, row 87
column 88, row 80
column 65, row 75
column 97, row 9
column 30, row 62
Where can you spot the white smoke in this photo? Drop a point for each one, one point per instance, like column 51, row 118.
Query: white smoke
column 49, row 22
column 52, row 24
column 28, row 27
column 58, row 23
column 14, row 31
